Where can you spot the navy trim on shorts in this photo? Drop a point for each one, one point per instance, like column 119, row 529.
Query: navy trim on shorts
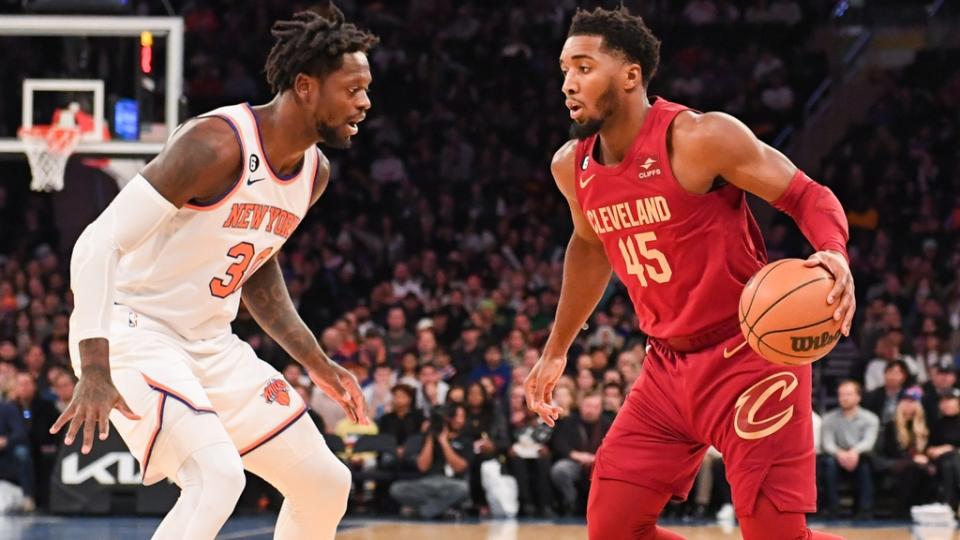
column 280, row 430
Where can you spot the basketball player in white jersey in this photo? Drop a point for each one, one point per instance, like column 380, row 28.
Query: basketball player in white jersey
column 159, row 276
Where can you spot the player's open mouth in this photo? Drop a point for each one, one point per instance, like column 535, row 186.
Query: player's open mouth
column 576, row 110
column 354, row 125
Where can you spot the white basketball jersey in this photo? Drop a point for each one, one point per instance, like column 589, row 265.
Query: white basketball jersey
column 189, row 273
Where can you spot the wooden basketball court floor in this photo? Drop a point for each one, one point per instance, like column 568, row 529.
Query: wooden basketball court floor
column 261, row 528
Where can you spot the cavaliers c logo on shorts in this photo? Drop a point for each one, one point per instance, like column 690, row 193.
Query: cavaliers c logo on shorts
column 777, row 387
column 277, row 391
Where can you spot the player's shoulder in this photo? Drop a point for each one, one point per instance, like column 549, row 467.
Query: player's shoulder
column 707, row 133
column 322, row 180
column 213, row 135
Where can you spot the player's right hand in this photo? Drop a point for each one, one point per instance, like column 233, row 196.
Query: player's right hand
column 539, row 387
column 90, row 407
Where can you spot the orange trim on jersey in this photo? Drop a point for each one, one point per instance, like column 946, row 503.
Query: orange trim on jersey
column 176, row 395
column 276, row 431
column 266, row 161
column 148, row 451
column 218, row 202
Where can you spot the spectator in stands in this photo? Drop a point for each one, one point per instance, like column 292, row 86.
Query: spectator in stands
column 944, row 446
column 487, row 427
column 901, row 453
column 943, row 380
column 849, row 436
column 433, row 390
column 528, row 457
column 612, row 397
column 398, row 339
column 444, row 460
column 378, row 393
column 16, row 463
column 887, row 350
column 883, row 401
column 63, row 387
column 494, row 367
column 574, row 444
column 404, row 419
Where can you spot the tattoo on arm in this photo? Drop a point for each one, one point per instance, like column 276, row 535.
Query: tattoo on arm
column 267, row 299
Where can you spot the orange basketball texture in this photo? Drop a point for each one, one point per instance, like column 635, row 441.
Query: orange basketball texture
column 784, row 314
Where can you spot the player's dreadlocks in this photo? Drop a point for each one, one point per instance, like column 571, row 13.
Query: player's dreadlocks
column 623, row 33
column 312, row 43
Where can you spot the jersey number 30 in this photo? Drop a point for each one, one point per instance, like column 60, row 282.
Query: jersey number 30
column 634, row 247
column 236, row 272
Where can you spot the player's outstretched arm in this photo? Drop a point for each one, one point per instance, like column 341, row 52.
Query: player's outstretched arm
column 586, row 273
column 196, row 163
column 716, row 144
column 267, row 299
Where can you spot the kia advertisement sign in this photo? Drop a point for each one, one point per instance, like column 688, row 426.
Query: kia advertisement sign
column 105, row 481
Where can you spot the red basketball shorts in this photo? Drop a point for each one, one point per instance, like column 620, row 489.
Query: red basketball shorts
column 758, row 414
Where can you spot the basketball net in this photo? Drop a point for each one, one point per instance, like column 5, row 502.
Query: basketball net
column 49, row 147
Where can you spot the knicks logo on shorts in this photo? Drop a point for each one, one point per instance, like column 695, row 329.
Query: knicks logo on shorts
column 277, row 391
column 776, row 387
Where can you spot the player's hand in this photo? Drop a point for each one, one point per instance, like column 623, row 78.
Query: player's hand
column 842, row 294
column 539, row 387
column 90, row 408
column 342, row 387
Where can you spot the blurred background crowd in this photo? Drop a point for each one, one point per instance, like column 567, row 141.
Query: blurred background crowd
column 431, row 266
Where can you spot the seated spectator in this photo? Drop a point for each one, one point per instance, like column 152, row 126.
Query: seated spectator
column 901, row 453
column 486, row 425
column 849, row 435
column 63, row 387
column 409, row 365
column 943, row 380
column 444, row 460
column 612, row 398
column 529, row 457
column 379, row 394
column 886, row 351
column 16, row 463
column 317, row 420
column 433, row 390
column 494, row 367
column 883, row 401
column 944, row 446
column 575, row 441
column 405, row 419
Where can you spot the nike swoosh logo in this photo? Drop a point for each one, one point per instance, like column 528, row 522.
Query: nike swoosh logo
column 252, row 181
column 728, row 354
column 585, row 181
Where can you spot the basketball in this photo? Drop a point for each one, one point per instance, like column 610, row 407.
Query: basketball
column 784, row 314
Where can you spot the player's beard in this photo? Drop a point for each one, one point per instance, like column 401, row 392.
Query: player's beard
column 330, row 136
column 606, row 104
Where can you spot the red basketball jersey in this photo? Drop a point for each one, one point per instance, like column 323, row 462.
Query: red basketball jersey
column 684, row 258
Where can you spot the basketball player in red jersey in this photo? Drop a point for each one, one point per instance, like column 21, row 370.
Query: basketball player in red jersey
column 657, row 194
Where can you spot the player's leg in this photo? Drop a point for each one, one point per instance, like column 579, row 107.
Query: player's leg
column 647, row 458
column 210, row 477
column 267, row 421
column 625, row 511
column 314, row 483
column 789, row 525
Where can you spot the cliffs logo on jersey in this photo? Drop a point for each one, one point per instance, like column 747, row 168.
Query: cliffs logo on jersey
column 277, row 391
column 808, row 343
column 649, row 169
column 776, row 387
column 252, row 216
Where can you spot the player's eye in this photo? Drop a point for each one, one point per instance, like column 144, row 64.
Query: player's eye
column 584, row 69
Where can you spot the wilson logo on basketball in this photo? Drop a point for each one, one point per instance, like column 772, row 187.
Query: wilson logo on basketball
column 277, row 391
column 808, row 343
column 748, row 406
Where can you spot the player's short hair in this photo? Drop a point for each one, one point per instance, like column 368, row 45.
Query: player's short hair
column 622, row 33
column 313, row 43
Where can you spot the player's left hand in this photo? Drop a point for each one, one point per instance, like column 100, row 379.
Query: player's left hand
column 842, row 294
column 342, row 387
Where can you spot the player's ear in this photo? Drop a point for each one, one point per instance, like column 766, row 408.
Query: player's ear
column 633, row 77
column 305, row 86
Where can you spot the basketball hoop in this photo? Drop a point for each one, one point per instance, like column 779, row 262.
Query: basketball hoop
column 48, row 148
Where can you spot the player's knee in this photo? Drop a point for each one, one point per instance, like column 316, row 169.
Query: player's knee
column 322, row 479
column 223, row 482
